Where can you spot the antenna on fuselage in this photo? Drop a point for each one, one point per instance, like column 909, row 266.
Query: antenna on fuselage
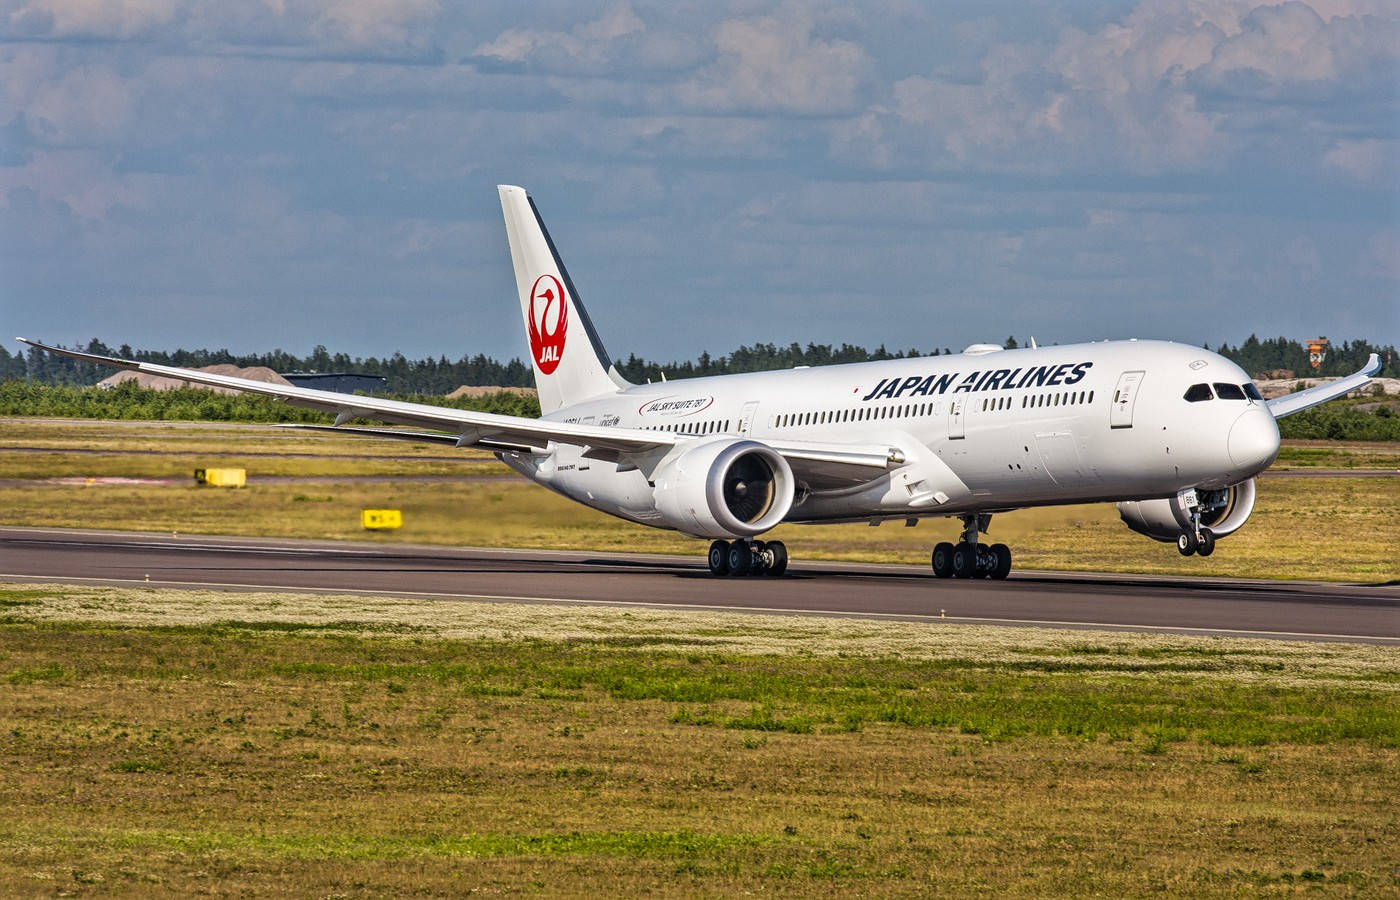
column 1034, row 345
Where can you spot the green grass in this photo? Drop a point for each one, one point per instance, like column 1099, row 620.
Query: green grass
column 342, row 745
column 1321, row 454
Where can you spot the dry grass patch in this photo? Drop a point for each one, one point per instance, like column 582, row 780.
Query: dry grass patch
column 1289, row 535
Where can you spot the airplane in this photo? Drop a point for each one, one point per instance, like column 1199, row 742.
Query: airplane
column 1174, row 434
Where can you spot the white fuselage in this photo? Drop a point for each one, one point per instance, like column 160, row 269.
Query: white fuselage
column 975, row 431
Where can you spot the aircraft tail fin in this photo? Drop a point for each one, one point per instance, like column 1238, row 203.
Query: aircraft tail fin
column 568, row 359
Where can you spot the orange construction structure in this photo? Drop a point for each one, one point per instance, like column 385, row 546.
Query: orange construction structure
column 1317, row 351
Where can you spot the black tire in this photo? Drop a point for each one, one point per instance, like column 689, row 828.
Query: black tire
column 1207, row 543
column 780, row 559
column 719, row 558
column 942, row 560
column 1186, row 543
column 983, row 567
column 740, row 559
column 964, row 560
column 1003, row 563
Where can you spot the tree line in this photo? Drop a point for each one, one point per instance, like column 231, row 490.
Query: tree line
column 128, row 400
column 440, row 375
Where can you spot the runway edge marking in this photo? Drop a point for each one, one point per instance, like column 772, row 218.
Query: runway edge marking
column 699, row 607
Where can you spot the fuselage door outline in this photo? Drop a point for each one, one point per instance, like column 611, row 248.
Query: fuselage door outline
column 1120, row 413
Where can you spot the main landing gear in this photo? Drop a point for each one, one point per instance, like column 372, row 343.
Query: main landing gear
column 970, row 559
column 741, row 558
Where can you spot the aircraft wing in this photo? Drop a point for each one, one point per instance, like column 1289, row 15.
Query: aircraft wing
column 1289, row 404
column 821, row 465
column 828, row 466
column 470, row 428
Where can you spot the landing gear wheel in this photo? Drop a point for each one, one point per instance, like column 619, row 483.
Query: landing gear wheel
column 943, row 560
column 964, row 560
column 1207, row 546
column 1186, row 543
column 719, row 558
column 983, row 567
column 740, row 558
column 1003, row 561
column 778, row 559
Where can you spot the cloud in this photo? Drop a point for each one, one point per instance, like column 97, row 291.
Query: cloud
column 92, row 18
column 618, row 43
column 588, row 43
column 377, row 23
column 807, row 162
column 375, row 28
column 1370, row 160
column 1175, row 86
column 775, row 64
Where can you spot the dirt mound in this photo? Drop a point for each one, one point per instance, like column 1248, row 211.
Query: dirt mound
column 472, row 390
column 161, row 383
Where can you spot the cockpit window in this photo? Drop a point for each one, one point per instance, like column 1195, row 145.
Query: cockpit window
column 1198, row 392
column 1252, row 392
column 1228, row 391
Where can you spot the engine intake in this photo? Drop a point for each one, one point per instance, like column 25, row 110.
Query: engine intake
column 725, row 488
column 1223, row 512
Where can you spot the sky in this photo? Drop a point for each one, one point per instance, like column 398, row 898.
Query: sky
column 281, row 174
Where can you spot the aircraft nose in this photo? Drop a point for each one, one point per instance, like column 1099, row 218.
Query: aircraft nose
column 1253, row 441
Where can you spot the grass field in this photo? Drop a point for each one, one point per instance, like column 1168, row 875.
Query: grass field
column 196, row 742
column 1325, row 528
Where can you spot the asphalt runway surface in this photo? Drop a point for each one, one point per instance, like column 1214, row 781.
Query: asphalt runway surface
column 1236, row 607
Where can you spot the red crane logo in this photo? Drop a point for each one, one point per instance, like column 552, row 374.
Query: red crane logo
column 549, row 322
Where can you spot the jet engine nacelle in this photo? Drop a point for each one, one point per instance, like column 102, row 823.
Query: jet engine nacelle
column 1223, row 512
column 725, row 488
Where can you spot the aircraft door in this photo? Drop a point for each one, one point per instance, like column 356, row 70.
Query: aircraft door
column 956, row 408
column 1124, row 398
column 746, row 417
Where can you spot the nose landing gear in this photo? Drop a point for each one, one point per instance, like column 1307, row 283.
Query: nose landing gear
column 1196, row 538
column 970, row 559
column 1202, row 543
column 740, row 558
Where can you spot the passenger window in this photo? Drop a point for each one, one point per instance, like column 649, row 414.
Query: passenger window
column 1252, row 392
column 1228, row 391
column 1198, row 392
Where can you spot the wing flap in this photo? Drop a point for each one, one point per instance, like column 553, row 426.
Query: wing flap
column 825, row 466
column 426, row 437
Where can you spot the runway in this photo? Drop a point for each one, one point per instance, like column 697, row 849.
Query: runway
column 1276, row 609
